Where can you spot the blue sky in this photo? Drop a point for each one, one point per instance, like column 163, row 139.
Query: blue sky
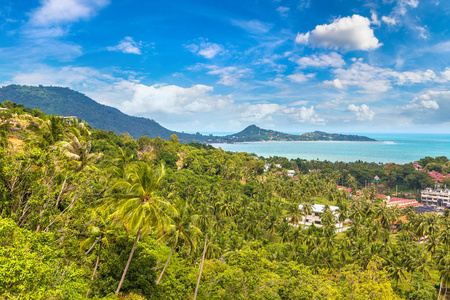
column 218, row 66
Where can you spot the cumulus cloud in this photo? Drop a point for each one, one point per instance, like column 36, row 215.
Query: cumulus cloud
column 428, row 100
column 445, row 76
column 172, row 99
column 362, row 113
column 299, row 77
column 260, row 112
column 304, row 115
column 127, row 45
column 348, row 33
column 377, row 80
column 205, row 49
column 333, row 83
column 430, row 107
column 321, row 61
column 128, row 95
column 266, row 112
column 57, row 12
column 253, row 26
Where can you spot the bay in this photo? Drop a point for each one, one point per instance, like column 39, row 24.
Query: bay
column 396, row 148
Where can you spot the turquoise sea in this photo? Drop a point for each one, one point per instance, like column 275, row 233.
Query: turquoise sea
column 397, row 148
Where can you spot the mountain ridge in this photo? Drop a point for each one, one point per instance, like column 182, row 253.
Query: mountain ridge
column 65, row 101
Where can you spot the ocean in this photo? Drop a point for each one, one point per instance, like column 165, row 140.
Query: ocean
column 396, row 148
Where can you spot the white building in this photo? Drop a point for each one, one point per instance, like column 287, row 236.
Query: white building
column 436, row 197
column 316, row 216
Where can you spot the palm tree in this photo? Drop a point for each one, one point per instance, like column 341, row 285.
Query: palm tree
column 443, row 262
column 201, row 267
column 137, row 204
column 306, row 210
column 396, row 268
column 4, row 135
column 52, row 131
column 100, row 234
column 294, row 213
column 78, row 149
column 181, row 229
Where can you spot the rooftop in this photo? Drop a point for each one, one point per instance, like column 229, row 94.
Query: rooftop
column 319, row 208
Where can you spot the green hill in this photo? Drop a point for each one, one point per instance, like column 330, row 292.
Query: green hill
column 253, row 133
column 66, row 102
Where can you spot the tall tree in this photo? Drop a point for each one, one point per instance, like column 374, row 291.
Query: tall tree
column 180, row 230
column 138, row 205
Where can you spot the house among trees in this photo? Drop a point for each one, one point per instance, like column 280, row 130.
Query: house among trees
column 317, row 213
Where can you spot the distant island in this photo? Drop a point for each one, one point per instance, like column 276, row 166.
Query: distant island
column 66, row 102
column 255, row 134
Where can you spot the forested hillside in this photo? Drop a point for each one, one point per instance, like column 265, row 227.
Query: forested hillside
column 88, row 214
column 66, row 102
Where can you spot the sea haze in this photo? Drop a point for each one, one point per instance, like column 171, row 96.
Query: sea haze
column 396, row 148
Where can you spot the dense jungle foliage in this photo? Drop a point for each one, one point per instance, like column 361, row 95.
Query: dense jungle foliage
column 90, row 214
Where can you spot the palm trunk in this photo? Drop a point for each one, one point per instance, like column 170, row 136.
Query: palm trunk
column 201, row 268
column 167, row 262
column 93, row 245
column 445, row 294
column 96, row 263
column 96, row 266
column 129, row 261
column 440, row 288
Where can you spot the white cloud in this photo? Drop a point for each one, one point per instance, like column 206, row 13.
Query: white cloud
column 54, row 12
column 378, row 80
column 229, row 76
column 426, row 101
column 127, row 45
column 304, row 115
column 409, row 77
column 430, row 107
column 259, row 112
column 348, row 33
column 335, row 103
column 205, row 49
column 266, row 112
column 423, row 32
column 321, row 61
column 128, row 95
column 283, row 11
column 334, row 83
column 374, row 18
column 412, row 3
column 402, row 6
column 299, row 77
column 362, row 113
column 172, row 99
column 388, row 20
column 302, row 38
column 253, row 26
column 445, row 76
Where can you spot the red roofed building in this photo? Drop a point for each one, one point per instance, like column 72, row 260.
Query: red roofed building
column 417, row 166
column 436, row 176
column 401, row 202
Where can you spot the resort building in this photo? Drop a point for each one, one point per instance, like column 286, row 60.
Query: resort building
column 436, row 197
column 401, row 202
column 316, row 216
